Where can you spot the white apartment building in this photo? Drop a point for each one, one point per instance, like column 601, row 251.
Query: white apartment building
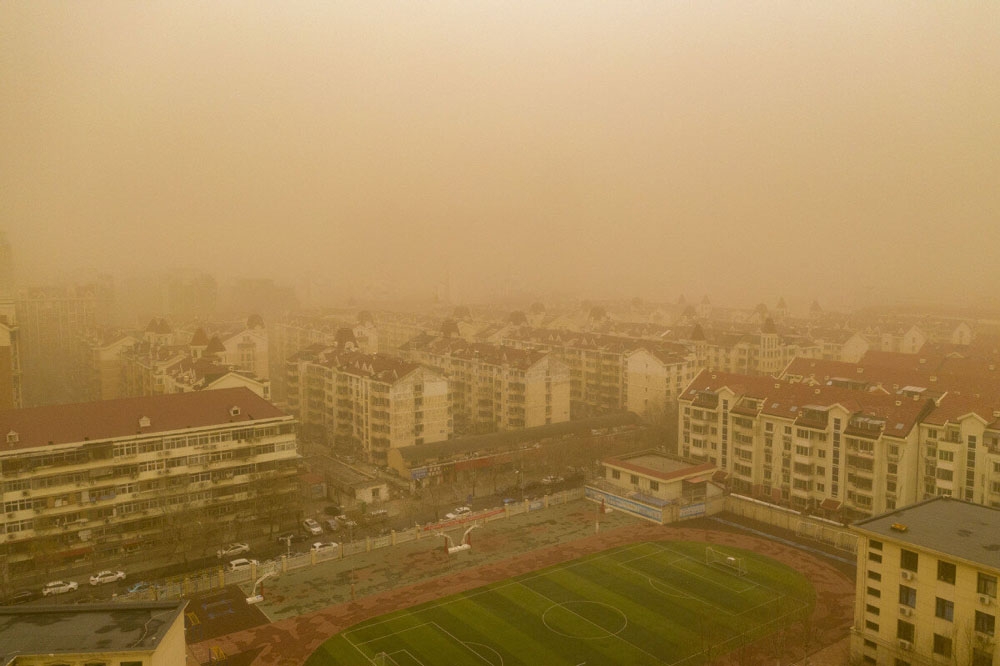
column 655, row 379
column 835, row 451
column 149, row 475
column 927, row 586
column 494, row 387
column 372, row 401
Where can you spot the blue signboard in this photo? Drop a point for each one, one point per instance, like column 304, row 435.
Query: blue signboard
column 624, row 504
column 692, row 510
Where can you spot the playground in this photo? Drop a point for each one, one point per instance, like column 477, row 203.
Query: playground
column 308, row 607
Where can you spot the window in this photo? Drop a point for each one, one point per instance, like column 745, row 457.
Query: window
column 944, row 609
column 874, row 575
column 905, row 630
column 873, row 626
column 908, row 560
column 907, row 596
column 615, row 474
column 987, row 585
column 874, row 557
column 946, row 572
column 872, row 608
column 900, row 662
column 874, row 592
column 875, row 545
column 982, row 657
column 942, row 645
column 946, row 456
column 985, row 623
column 634, row 479
column 654, row 485
column 868, row 659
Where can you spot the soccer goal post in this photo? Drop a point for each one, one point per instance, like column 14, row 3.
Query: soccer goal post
column 717, row 558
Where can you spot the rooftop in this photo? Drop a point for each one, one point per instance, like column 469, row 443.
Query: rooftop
column 111, row 419
column 663, row 467
column 952, row 527
column 118, row 627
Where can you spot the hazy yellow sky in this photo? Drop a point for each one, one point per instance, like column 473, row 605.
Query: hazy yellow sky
column 843, row 150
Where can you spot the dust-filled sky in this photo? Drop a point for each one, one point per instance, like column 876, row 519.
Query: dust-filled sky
column 848, row 151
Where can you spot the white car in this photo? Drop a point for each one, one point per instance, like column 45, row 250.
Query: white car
column 312, row 526
column 241, row 564
column 232, row 549
column 59, row 587
column 107, row 577
column 323, row 546
column 458, row 512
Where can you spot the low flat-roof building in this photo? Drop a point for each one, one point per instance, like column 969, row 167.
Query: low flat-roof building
column 126, row 634
column 655, row 486
column 927, row 585
column 464, row 458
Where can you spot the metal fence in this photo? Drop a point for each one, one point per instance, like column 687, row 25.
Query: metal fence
column 216, row 578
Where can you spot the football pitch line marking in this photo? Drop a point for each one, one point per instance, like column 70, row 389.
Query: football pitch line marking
column 483, row 645
column 776, row 594
column 493, row 587
column 390, row 635
column 463, row 644
column 615, row 636
column 685, row 556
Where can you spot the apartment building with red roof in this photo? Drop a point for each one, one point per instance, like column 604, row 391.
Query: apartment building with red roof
column 150, row 477
column 371, row 401
column 832, row 450
column 494, row 387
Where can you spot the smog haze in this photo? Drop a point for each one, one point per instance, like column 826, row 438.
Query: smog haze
column 841, row 151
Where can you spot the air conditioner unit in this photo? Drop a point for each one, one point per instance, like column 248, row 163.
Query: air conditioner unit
column 985, row 599
column 905, row 611
column 905, row 645
column 906, row 575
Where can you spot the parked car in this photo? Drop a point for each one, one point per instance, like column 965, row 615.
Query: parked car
column 59, row 587
column 458, row 512
column 241, row 564
column 232, row 549
column 107, row 577
column 312, row 526
column 346, row 522
column 143, row 586
column 509, row 500
column 331, row 524
column 21, row 597
column 323, row 546
column 332, row 510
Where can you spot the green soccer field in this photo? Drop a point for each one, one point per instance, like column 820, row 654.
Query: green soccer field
column 648, row 603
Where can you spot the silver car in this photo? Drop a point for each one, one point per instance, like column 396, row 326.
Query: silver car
column 59, row 587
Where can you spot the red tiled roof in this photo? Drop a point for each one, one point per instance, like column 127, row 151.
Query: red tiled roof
column 62, row 424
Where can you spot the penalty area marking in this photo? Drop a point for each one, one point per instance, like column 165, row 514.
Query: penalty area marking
column 483, row 645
